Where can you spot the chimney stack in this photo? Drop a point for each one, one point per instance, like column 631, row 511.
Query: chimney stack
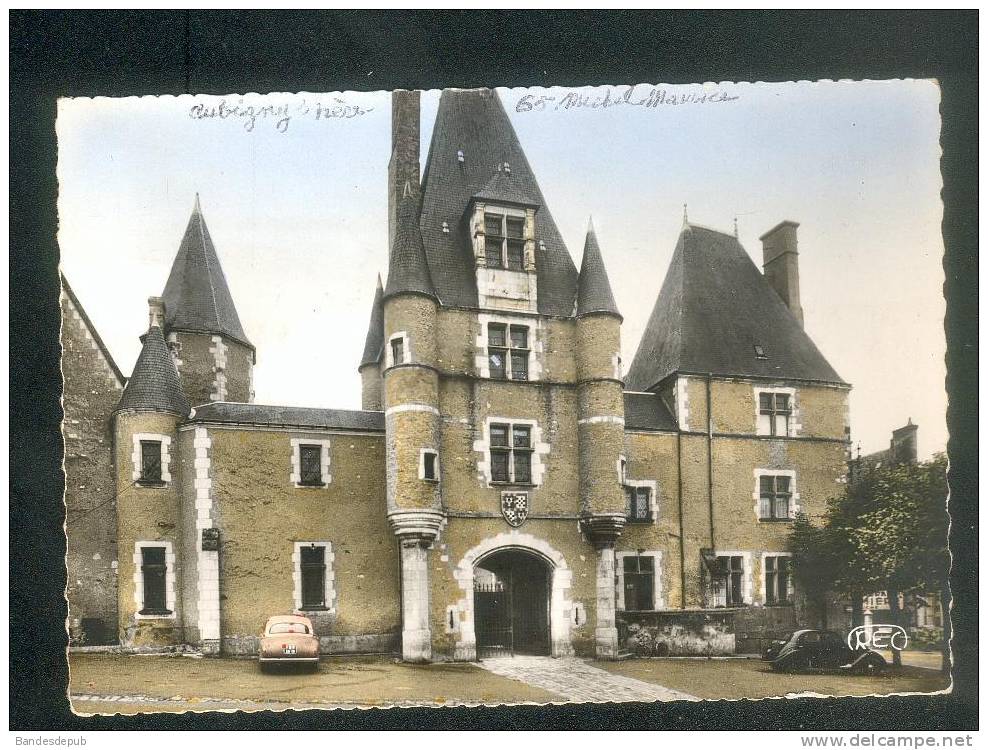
column 780, row 263
column 403, row 169
column 156, row 313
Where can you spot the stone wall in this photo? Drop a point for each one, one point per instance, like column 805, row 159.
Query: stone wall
column 212, row 367
column 262, row 516
column 684, row 633
column 91, row 390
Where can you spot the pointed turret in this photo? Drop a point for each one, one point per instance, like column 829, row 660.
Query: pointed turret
column 196, row 295
column 370, row 369
column 154, row 384
column 375, row 329
column 408, row 270
column 213, row 355
column 594, row 294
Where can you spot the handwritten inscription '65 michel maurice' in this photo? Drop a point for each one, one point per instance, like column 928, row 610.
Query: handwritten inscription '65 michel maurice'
column 634, row 96
column 280, row 114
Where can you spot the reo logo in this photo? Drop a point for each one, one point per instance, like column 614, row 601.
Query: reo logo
column 864, row 637
column 514, row 507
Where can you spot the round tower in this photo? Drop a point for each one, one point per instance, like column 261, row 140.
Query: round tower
column 600, row 393
column 412, row 424
column 211, row 351
column 371, row 383
column 148, row 494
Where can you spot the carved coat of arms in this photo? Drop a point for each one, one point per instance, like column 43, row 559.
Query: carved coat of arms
column 514, row 507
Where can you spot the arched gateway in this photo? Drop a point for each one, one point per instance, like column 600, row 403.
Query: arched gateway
column 515, row 599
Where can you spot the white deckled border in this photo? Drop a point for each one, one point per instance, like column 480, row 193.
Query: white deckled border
column 169, row 581
column 329, row 579
column 658, row 596
column 135, row 456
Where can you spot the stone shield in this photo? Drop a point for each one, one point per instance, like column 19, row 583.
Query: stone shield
column 514, row 507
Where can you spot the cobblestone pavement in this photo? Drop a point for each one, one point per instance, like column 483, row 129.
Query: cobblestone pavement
column 577, row 681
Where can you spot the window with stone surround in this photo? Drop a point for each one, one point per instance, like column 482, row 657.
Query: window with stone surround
column 729, row 581
column 398, row 350
column 639, row 504
column 777, row 580
column 775, row 497
column 774, row 413
column 504, row 241
column 508, row 351
column 154, row 580
column 638, row 582
column 150, row 462
column 310, row 462
column 150, row 459
column 511, row 453
column 429, row 465
column 313, row 577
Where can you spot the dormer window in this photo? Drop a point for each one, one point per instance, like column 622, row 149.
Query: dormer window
column 504, row 241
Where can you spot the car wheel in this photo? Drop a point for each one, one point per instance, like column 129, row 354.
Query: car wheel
column 871, row 666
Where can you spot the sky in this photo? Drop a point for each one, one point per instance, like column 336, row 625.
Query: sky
column 293, row 188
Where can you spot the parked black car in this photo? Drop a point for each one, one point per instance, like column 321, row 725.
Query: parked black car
column 821, row 651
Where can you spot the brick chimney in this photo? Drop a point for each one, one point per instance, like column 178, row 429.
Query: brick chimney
column 780, row 263
column 156, row 312
column 404, row 165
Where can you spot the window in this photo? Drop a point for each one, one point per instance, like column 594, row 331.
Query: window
column 777, row 580
column 313, row 568
column 504, row 243
column 732, row 568
column 775, row 493
column 507, row 347
column 639, row 504
column 284, row 628
column 639, row 582
column 151, row 462
column 511, row 453
column 774, row 411
column 153, row 577
column 310, row 465
column 429, row 468
column 397, row 351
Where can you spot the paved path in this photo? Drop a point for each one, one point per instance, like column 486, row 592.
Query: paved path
column 577, row 681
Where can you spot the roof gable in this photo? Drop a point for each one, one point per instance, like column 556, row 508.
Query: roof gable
column 715, row 306
column 474, row 122
column 196, row 294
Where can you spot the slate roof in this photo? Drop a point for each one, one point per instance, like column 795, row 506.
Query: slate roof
column 196, row 295
column 408, row 270
column 475, row 123
column 502, row 188
column 594, row 294
column 289, row 416
column 645, row 411
column 375, row 328
column 154, row 384
column 713, row 309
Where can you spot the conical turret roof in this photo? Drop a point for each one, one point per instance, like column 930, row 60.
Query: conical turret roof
column 408, row 270
column 375, row 329
column 196, row 295
column 154, row 384
column 594, row 294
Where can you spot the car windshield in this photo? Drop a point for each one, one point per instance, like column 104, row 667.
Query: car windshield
column 280, row 628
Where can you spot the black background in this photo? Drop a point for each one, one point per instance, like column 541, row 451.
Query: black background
column 57, row 53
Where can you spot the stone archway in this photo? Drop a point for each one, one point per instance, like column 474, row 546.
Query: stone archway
column 560, row 604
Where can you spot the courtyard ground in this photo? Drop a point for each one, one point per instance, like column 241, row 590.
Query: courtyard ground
column 753, row 678
column 112, row 683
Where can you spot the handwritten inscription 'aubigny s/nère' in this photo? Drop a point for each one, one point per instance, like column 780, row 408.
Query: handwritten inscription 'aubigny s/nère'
column 280, row 114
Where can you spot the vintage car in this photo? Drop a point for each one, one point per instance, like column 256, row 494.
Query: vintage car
column 821, row 651
column 289, row 639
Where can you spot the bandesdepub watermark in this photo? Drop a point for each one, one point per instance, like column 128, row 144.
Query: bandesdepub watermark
column 49, row 741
